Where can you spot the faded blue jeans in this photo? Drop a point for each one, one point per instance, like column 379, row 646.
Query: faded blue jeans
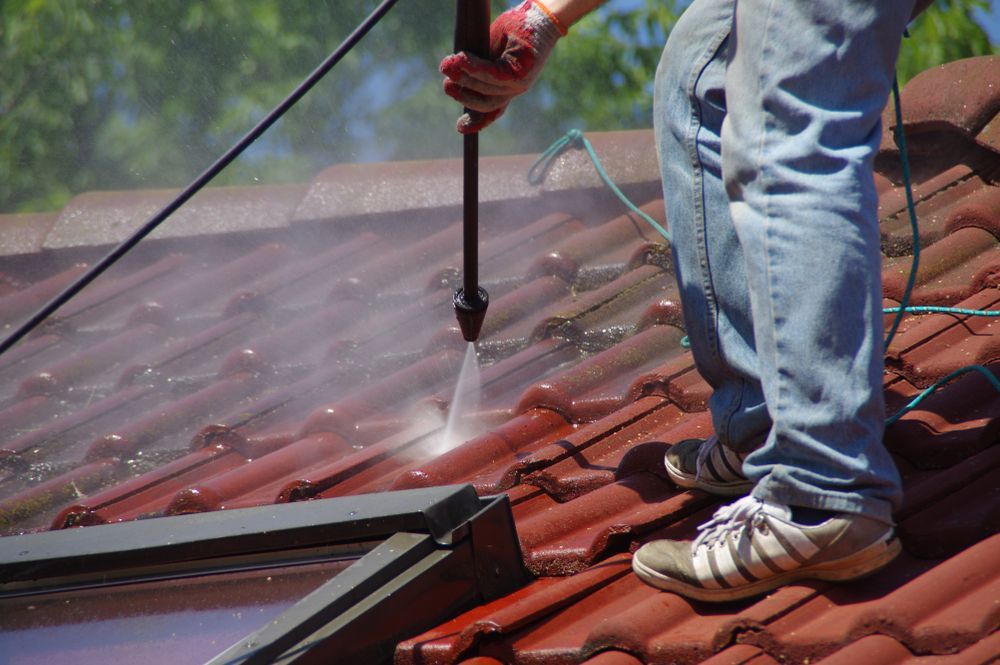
column 767, row 116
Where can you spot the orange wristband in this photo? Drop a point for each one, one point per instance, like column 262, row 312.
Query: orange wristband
column 552, row 17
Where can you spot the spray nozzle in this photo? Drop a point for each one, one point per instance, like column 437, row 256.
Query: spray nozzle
column 470, row 312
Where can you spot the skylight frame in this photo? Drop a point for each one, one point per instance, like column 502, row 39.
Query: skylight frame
column 444, row 545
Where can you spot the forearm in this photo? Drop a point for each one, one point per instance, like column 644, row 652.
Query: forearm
column 569, row 12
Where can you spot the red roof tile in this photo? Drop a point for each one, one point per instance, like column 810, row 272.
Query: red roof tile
column 959, row 96
column 931, row 607
column 951, row 270
column 942, row 343
column 314, row 354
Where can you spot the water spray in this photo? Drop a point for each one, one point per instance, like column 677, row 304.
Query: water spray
column 472, row 34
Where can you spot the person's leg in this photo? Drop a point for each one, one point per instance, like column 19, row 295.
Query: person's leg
column 806, row 84
column 689, row 107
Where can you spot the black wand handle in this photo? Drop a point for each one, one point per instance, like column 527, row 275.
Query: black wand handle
column 472, row 34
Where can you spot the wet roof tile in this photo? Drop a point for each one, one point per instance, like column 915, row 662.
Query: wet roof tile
column 490, row 460
column 24, row 302
column 148, row 493
column 595, row 455
column 599, row 384
column 318, row 356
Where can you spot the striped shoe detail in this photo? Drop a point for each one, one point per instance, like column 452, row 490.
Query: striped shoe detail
column 717, row 463
column 750, row 547
column 742, row 545
column 707, row 465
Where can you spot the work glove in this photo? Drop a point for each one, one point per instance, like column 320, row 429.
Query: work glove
column 520, row 42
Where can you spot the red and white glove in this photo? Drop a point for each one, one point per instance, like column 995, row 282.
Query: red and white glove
column 520, row 42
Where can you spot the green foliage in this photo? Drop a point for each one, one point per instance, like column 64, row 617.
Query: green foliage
column 943, row 33
column 124, row 94
column 105, row 94
column 604, row 74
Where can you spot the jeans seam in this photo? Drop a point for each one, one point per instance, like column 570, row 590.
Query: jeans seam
column 777, row 408
column 694, row 127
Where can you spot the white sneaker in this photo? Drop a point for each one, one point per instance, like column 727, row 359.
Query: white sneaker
column 750, row 547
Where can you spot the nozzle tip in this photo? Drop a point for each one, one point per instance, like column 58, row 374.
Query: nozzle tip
column 470, row 312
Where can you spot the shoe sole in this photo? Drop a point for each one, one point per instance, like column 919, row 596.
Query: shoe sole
column 858, row 565
column 688, row 481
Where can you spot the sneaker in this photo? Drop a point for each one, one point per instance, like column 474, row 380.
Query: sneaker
column 707, row 465
column 751, row 547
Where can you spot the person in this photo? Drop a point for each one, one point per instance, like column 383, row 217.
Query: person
column 767, row 118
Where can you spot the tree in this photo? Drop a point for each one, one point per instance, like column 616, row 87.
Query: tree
column 99, row 94
column 125, row 94
column 947, row 31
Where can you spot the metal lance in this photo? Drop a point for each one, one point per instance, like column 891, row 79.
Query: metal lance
column 472, row 34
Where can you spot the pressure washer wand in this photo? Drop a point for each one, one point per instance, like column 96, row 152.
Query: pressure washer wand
column 472, row 34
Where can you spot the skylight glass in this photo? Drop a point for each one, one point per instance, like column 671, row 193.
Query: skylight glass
column 173, row 622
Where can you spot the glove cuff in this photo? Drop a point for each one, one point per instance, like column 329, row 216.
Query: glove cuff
column 560, row 28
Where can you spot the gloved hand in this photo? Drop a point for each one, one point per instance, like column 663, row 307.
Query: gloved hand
column 520, row 42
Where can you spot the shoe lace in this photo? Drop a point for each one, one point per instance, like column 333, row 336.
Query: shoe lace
column 737, row 516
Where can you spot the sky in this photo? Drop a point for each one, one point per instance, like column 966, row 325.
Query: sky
column 991, row 21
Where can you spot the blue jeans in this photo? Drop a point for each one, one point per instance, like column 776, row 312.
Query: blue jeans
column 767, row 118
